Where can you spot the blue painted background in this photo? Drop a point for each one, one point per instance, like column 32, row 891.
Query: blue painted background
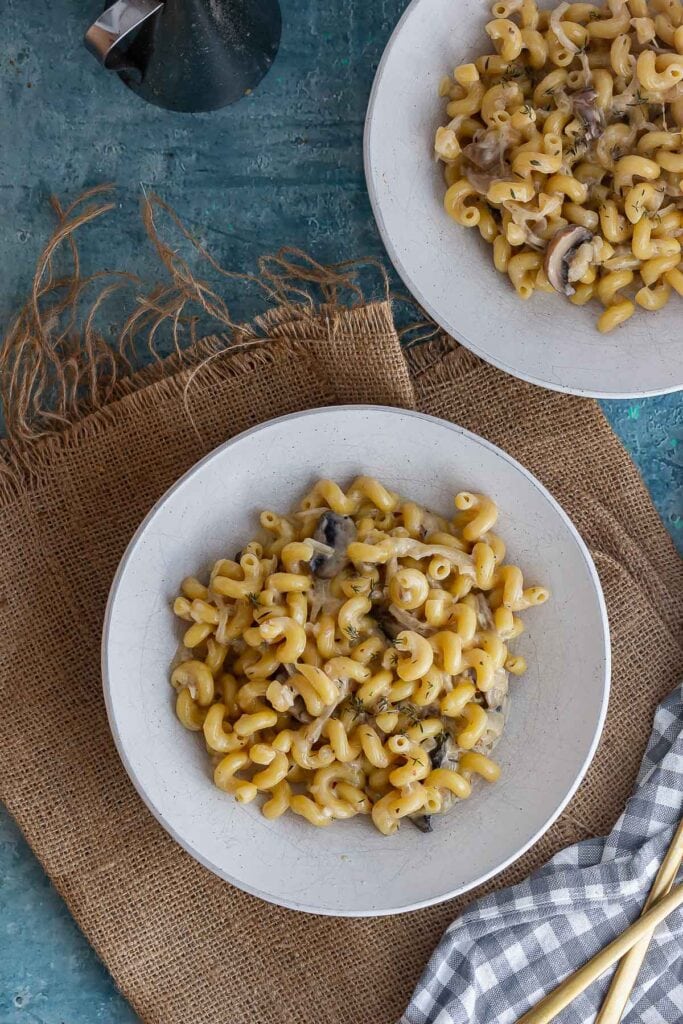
column 283, row 167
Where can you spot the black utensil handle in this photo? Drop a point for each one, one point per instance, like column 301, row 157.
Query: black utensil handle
column 116, row 24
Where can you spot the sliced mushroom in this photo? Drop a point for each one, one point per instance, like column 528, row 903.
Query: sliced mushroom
column 444, row 754
column 423, row 822
column 585, row 106
column 386, row 623
column 487, row 150
column 298, row 711
column 484, row 160
column 561, row 250
column 440, row 752
column 337, row 532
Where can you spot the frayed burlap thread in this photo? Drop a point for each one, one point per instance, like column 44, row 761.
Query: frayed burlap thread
column 185, row 947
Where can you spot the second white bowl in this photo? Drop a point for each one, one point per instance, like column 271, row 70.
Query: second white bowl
column 449, row 269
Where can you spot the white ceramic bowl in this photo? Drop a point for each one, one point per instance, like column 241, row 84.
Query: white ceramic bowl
column 448, row 268
column 557, row 709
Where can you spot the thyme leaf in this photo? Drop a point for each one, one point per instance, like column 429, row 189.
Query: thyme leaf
column 512, row 72
column 410, row 711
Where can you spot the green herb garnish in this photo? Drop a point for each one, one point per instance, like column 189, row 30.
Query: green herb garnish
column 410, row 711
column 511, row 72
column 356, row 705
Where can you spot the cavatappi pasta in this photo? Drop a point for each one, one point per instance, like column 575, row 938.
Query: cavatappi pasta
column 564, row 147
column 355, row 660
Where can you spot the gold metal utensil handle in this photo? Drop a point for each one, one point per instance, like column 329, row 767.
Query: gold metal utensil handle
column 576, row 983
column 626, row 973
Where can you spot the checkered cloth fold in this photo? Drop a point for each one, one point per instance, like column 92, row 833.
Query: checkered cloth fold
column 511, row 948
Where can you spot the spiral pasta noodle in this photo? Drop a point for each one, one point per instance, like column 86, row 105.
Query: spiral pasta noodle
column 355, row 659
column 564, row 147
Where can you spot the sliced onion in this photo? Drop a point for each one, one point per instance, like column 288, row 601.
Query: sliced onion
column 493, row 732
column 181, row 655
column 318, row 597
column 322, row 600
column 484, row 613
column 404, row 618
column 624, row 100
column 482, row 180
column 556, row 27
column 318, row 545
column 331, row 605
column 314, row 732
column 406, row 547
column 223, row 619
column 311, row 512
column 497, row 694
column 391, row 568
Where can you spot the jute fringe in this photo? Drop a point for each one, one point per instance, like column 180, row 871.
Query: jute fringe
column 57, row 367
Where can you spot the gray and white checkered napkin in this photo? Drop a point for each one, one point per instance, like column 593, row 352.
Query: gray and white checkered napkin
column 511, row 948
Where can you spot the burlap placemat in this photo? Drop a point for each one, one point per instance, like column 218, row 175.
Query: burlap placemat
column 185, row 947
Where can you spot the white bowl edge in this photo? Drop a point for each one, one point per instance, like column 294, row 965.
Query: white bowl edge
column 406, row 277
column 300, row 906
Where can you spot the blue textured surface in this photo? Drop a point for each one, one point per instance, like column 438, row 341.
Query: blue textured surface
column 282, row 167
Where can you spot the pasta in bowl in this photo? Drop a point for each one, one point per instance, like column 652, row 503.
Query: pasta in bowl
column 564, row 147
column 355, row 659
column 572, row 282
column 247, row 683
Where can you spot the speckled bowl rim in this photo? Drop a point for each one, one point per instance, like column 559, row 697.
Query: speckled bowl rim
column 186, row 843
